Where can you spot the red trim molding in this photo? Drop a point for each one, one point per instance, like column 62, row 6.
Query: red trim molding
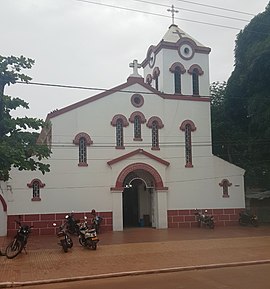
column 84, row 135
column 157, row 119
column 185, row 122
column 139, row 166
column 41, row 185
column 122, row 117
column 138, row 151
column 195, row 66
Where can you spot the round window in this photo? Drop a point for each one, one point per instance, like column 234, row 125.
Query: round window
column 137, row 100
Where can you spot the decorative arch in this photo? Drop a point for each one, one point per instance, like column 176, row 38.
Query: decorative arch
column 139, row 166
column 137, row 113
column 156, row 73
column 177, row 64
column 197, row 67
column 185, row 122
column 149, row 79
column 86, row 136
column 4, row 204
column 157, row 119
column 119, row 116
column 41, row 185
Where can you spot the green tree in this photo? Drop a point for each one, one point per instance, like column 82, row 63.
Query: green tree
column 18, row 136
column 247, row 101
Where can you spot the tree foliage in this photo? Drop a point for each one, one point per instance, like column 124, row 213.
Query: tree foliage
column 246, row 105
column 18, row 136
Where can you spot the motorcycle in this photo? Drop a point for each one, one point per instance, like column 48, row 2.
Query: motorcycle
column 19, row 242
column 246, row 218
column 72, row 225
column 204, row 219
column 64, row 238
column 88, row 236
column 96, row 221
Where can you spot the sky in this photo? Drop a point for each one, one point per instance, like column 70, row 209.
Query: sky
column 91, row 43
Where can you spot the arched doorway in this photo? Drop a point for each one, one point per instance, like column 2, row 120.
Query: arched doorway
column 150, row 196
column 138, row 210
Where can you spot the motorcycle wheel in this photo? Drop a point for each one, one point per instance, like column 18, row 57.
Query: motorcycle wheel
column 64, row 245
column 241, row 222
column 255, row 223
column 94, row 246
column 14, row 248
column 70, row 243
column 211, row 225
column 82, row 243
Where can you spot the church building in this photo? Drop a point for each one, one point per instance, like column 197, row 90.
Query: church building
column 140, row 154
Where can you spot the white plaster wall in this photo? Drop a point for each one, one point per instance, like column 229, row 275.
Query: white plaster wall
column 69, row 187
column 165, row 58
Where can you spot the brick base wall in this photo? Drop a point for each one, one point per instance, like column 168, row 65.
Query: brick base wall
column 187, row 218
column 43, row 223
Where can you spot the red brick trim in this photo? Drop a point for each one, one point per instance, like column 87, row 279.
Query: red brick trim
column 185, row 122
column 186, row 218
column 43, row 223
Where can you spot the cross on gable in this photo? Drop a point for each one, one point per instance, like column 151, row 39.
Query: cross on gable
column 135, row 65
column 172, row 11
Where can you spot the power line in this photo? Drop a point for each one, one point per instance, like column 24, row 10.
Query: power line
column 191, row 10
column 110, row 89
column 157, row 14
column 216, row 7
column 166, row 16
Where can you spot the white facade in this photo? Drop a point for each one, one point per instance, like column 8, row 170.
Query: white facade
column 135, row 182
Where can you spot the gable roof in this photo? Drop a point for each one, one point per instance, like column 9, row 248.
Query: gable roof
column 133, row 153
column 130, row 81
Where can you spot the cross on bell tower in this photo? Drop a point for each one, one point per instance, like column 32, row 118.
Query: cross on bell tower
column 172, row 10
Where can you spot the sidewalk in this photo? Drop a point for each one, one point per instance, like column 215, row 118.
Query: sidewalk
column 136, row 250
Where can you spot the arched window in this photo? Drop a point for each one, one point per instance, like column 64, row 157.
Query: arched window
column 82, row 140
column 225, row 184
column 177, row 69
column 137, row 127
column 119, row 121
column 195, row 70
column 177, row 80
column 82, row 150
column 155, row 140
column 155, row 124
column 119, row 133
column 195, row 82
column 137, row 118
column 188, row 126
column 156, row 74
column 36, row 185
